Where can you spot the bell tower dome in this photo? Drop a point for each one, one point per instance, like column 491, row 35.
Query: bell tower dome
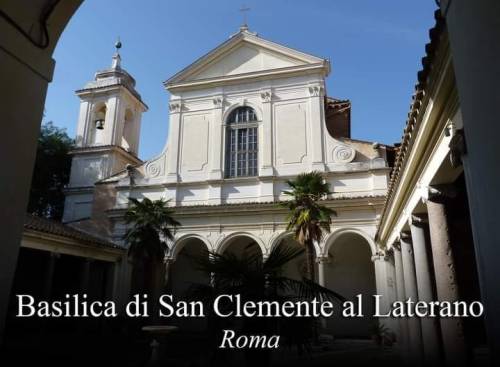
column 107, row 137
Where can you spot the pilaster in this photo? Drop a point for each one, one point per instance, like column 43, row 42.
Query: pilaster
column 173, row 141
column 216, row 143
column 266, row 135
column 317, row 126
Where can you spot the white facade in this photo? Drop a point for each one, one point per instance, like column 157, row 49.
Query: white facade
column 286, row 90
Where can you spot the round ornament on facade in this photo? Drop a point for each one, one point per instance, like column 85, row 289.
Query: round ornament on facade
column 343, row 154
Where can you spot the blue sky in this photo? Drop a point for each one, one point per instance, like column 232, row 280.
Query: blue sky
column 375, row 47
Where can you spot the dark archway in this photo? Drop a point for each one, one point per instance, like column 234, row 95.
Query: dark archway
column 240, row 245
column 184, row 273
column 350, row 271
column 297, row 268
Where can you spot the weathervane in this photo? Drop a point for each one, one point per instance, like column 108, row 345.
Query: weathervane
column 244, row 11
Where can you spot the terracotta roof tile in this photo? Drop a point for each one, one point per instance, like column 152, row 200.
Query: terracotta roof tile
column 416, row 103
column 59, row 229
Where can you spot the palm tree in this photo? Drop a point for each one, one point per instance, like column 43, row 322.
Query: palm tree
column 307, row 218
column 150, row 224
column 257, row 280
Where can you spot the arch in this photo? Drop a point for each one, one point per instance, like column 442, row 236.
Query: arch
column 257, row 109
column 343, row 231
column 350, row 271
column 96, row 134
column 181, row 242
column 184, row 273
column 275, row 241
column 226, row 241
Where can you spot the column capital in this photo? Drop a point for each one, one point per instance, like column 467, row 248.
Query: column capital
column 323, row 259
column 396, row 246
column 316, row 90
column 266, row 96
column 175, row 106
column 168, row 260
column 218, row 101
column 405, row 236
column 439, row 193
column 457, row 145
column 418, row 219
column 379, row 256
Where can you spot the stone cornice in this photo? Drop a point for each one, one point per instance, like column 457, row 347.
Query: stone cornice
column 290, row 71
column 246, row 208
column 104, row 148
column 112, row 88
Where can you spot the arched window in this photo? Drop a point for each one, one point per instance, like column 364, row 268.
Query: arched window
column 241, row 143
column 96, row 133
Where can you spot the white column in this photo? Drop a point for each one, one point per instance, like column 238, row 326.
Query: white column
column 430, row 330
column 317, row 126
column 381, row 280
column 266, row 135
column 322, row 261
column 414, row 330
column 403, row 339
column 173, row 141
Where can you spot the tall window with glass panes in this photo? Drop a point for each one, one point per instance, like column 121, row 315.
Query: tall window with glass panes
column 241, row 146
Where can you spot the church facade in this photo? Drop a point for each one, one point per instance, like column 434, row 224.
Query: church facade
column 244, row 119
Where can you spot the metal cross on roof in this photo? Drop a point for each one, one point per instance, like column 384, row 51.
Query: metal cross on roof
column 244, row 11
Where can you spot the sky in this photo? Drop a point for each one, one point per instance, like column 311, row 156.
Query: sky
column 374, row 46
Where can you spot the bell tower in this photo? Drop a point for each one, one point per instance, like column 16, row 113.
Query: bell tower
column 107, row 138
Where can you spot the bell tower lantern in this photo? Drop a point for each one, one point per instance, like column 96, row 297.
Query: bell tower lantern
column 107, row 137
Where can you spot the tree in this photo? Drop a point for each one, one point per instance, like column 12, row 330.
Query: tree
column 307, row 218
column 256, row 280
column 51, row 172
column 150, row 224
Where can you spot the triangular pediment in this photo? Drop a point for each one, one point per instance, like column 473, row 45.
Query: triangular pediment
column 242, row 55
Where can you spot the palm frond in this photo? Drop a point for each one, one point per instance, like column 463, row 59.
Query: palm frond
column 308, row 290
column 149, row 224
